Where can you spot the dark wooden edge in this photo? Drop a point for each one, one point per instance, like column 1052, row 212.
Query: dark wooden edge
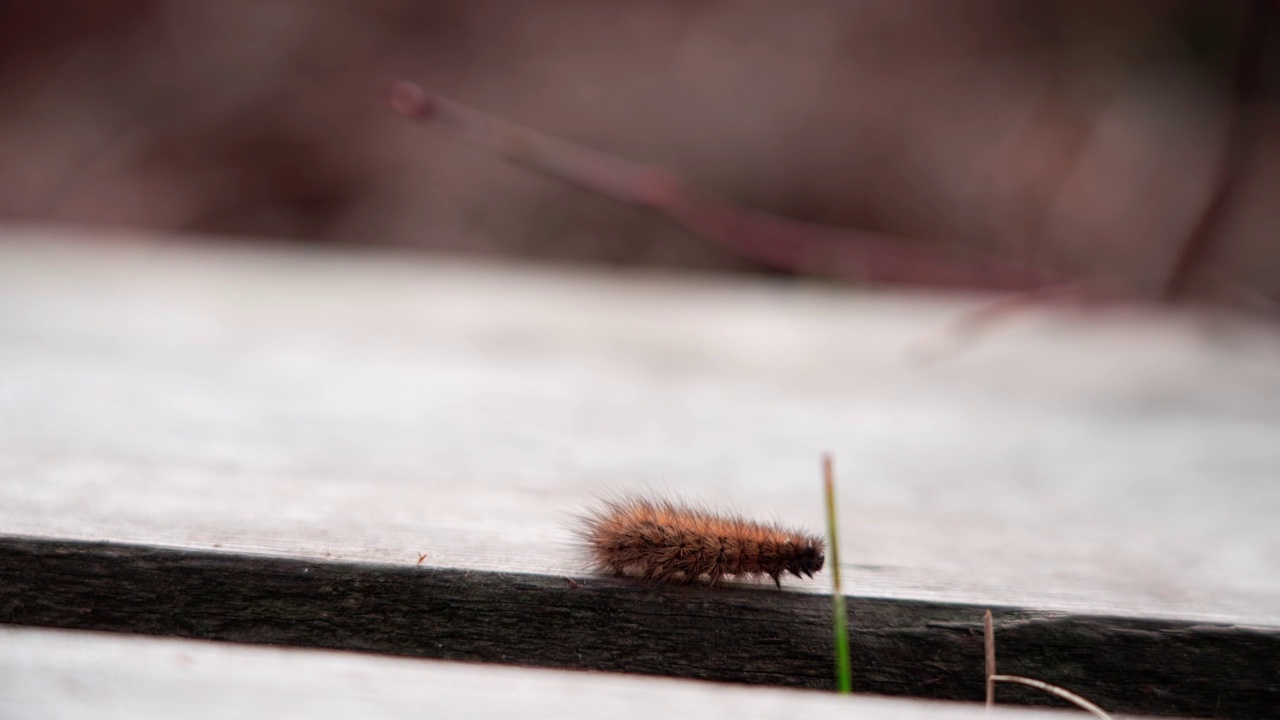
column 752, row 634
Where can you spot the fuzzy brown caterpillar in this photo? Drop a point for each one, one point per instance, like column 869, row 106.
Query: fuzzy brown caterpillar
column 661, row 540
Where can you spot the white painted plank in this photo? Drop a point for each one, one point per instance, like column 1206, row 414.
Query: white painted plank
column 372, row 406
column 62, row 675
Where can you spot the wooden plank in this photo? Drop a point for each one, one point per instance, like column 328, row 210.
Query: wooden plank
column 49, row 674
column 750, row 635
column 238, row 443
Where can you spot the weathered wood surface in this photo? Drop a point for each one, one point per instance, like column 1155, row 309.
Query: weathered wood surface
column 54, row 674
column 754, row 635
column 261, row 445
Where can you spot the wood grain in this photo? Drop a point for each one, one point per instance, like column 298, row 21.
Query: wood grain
column 745, row 635
column 191, row 435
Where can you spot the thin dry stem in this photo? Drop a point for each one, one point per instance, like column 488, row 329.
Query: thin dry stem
column 989, row 640
column 1055, row 690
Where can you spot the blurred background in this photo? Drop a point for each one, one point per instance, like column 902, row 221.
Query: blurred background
column 1137, row 140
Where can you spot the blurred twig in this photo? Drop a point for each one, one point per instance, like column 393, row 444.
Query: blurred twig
column 769, row 239
column 1260, row 26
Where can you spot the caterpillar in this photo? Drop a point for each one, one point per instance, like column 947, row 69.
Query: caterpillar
column 660, row 540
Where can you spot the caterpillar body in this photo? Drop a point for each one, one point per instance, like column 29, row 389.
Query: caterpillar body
column 667, row 542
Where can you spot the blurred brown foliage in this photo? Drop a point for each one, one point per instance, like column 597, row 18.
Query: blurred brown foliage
column 1091, row 136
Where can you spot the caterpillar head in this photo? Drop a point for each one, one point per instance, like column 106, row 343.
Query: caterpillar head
column 809, row 559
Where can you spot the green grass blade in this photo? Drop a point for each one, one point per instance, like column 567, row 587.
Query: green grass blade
column 844, row 673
